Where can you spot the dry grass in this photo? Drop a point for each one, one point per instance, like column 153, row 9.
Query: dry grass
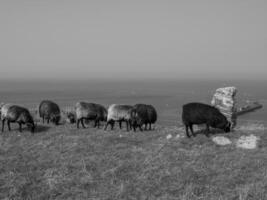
column 65, row 163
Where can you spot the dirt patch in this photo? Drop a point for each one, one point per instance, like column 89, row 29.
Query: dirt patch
column 220, row 140
column 247, row 142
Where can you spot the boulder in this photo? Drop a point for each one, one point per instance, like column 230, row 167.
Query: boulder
column 224, row 99
column 247, row 142
column 220, row 140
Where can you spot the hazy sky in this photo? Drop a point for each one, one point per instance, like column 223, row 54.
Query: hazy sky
column 133, row 39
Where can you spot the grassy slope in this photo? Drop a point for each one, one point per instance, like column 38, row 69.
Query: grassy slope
column 65, row 163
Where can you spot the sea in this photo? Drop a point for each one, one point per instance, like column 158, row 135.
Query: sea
column 167, row 96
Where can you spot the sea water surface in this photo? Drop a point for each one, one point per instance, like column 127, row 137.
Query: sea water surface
column 167, row 96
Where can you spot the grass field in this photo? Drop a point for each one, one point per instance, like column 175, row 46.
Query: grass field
column 65, row 163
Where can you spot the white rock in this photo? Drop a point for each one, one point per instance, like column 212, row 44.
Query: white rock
column 169, row 137
column 227, row 91
column 224, row 100
column 247, row 142
column 220, row 140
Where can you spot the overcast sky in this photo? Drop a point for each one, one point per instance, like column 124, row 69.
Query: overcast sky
column 133, row 39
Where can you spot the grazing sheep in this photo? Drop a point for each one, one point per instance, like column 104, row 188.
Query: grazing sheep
column 119, row 113
column 13, row 113
column 199, row 113
column 50, row 111
column 90, row 111
column 147, row 114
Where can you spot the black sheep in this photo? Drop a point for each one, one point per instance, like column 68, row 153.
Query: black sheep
column 199, row 113
column 50, row 111
column 144, row 114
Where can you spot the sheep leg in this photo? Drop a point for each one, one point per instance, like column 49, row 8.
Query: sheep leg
column 20, row 127
column 120, row 122
column 8, row 125
column 140, row 127
column 95, row 123
column 134, row 127
column 82, row 122
column 127, row 125
column 48, row 120
column 191, row 129
column 106, row 125
column 3, row 124
column 207, row 130
column 78, row 122
column 98, row 123
column 150, row 128
column 130, row 125
column 112, row 124
column 43, row 120
column 186, row 130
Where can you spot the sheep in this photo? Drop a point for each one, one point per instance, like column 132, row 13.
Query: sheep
column 119, row 113
column 145, row 114
column 50, row 111
column 199, row 113
column 90, row 111
column 14, row 113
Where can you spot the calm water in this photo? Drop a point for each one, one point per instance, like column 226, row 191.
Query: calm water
column 167, row 96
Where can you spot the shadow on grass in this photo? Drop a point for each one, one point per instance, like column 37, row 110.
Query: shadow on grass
column 38, row 129
column 41, row 128
column 212, row 132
